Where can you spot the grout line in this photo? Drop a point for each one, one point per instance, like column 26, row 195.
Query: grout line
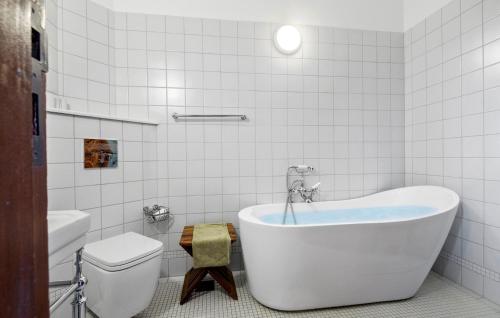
column 482, row 139
column 460, row 212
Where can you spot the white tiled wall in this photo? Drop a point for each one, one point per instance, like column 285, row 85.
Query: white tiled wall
column 452, row 87
column 337, row 105
column 115, row 196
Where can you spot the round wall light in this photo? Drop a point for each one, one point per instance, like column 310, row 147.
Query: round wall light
column 287, row 39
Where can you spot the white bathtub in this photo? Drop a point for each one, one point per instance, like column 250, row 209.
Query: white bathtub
column 297, row 267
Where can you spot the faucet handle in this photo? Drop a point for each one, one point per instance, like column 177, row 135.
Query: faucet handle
column 316, row 186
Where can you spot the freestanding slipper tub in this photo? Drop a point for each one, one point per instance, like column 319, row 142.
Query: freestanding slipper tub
column 375, row 248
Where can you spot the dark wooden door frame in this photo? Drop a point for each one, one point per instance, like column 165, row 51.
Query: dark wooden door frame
column 23, row 191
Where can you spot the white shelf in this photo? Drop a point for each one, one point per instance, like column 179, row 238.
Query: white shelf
column 100, row 116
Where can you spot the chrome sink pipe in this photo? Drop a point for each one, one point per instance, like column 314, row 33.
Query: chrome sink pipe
column 77, row 287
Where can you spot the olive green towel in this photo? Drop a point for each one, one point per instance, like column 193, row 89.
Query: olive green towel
column 211, row 245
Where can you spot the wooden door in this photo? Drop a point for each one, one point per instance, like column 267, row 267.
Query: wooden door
column 23, row 184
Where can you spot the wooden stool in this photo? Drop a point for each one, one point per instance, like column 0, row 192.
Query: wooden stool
column 194, row 276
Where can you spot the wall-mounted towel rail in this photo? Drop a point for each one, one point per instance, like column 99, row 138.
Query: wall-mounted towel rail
column 177, row 116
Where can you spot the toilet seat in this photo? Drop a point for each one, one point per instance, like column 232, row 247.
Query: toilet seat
column 122, row 251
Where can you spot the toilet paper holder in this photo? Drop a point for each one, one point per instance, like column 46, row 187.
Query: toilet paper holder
column 157, row 213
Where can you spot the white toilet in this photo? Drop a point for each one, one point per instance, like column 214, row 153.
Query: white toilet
column 122, row 273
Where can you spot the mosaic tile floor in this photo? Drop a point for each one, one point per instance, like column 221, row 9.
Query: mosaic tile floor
column 437, row 297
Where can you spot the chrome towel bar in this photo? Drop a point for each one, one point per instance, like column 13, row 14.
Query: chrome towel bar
column 177, row 116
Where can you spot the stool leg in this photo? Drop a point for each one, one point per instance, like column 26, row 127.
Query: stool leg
column 224, row 277
column 191, row 280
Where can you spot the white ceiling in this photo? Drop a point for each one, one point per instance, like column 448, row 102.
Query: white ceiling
column 381, row 15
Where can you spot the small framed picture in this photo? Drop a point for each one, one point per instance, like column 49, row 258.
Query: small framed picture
column 100, row 153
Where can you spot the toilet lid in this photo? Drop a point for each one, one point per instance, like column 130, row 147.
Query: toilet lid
column 122, row 249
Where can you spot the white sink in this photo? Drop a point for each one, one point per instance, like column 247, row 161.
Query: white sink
column 67, row 233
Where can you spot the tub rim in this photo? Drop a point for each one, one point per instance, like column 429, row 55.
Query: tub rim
column 246, row 213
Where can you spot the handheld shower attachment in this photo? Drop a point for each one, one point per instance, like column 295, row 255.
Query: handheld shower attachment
column 298, row 187
column 301, row 168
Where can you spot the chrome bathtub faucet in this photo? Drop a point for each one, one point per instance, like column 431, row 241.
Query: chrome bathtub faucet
column 307, row 194
column 298, row 187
